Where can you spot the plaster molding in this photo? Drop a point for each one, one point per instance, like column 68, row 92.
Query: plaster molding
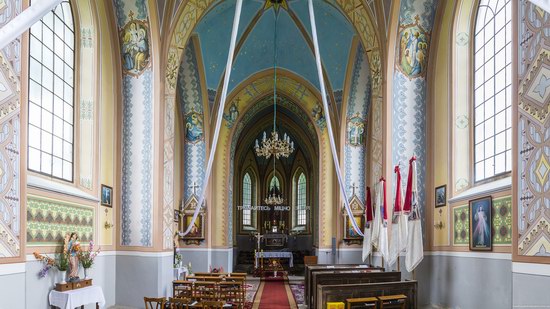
column 485, row 189
column 475, row 255
column 531, row 269
column 12, row 269
column 56, row 187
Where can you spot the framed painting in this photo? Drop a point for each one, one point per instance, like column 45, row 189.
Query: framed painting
column 106, row 196
column 197, row 230
column 441, row 196
column 481, row 234
column 349, row 232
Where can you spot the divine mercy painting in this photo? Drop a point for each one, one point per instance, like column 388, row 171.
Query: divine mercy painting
column 480, row 224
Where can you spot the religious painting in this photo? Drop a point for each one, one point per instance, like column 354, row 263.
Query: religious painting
column 193, row 127
column 134, row 37
column 197, row 227
column 350, row 234
column 232, row 115
column 106, row 196
column 350, row 231
column 441, row 196
column 481, row 234
column 356, row 131
column 413, row 50
column 317, row 113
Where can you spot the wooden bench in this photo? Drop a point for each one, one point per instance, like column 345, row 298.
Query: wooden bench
column 339, row 293
column 232, row 291
column 314, row 268
column 349, row 277
column 364, row 302
column 393, row 301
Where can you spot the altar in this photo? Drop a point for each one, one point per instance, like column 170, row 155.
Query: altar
column 259, row 256
column 275, row 240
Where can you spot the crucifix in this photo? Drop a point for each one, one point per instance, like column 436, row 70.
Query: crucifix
column 353, row 187
column 194, row 186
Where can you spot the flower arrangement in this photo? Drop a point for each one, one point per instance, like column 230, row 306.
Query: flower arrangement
column 47, row 262
column 87, row 257
column 216, row 270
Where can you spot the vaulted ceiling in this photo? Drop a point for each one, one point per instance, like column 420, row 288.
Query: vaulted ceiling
column 255, row 41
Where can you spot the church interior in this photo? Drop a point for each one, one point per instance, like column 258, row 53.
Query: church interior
column 274, row 154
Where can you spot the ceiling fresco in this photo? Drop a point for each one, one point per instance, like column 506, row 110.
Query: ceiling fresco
column 257, row 36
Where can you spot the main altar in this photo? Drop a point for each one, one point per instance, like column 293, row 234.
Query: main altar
column 271, row 248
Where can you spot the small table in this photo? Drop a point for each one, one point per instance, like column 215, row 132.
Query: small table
column 79, row 297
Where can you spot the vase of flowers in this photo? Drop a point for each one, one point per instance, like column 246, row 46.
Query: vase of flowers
column 87, row 258
column 62, row 264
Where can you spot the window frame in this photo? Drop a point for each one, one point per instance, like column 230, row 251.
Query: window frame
column 472, row 103
column 75, row 96
column 247, row 173
column 298, row 197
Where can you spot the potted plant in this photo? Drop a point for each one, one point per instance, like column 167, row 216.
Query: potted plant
column 87, row 258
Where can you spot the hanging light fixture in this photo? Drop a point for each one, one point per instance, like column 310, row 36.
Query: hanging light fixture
column 274, row 145
column 274, row 197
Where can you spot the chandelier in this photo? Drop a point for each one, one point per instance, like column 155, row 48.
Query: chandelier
column 273, row 145
column 274, row 199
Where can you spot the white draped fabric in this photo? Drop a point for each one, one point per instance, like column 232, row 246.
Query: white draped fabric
column 25, row 20
column 76, row 298
column 415, row 249
column 367, row 246
column 219, row 118
column 383, row 246
column 327, row 117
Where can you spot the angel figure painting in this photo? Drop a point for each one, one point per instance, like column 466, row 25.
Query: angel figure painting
column 135, row 47
column 413, row 51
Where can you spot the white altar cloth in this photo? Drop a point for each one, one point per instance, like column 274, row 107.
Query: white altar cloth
column 76, row 298
column 276, row 254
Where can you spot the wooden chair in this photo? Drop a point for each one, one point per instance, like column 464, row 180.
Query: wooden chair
column 212, row 304
column 232, row 292
column 205, row 291
column 154, row 303
column 182, row 289
column 180, row 303
column 366, row 302
column 310, row 260
column 393, row 301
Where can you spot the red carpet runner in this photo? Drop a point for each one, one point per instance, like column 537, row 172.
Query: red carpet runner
column 274, row 295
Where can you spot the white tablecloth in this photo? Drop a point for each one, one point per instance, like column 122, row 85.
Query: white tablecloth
column 76, row 298
column 276, row 254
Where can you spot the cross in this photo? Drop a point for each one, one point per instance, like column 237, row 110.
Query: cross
column 353, row 187
column 131, row 15
column 300, row 91
column 194, row 186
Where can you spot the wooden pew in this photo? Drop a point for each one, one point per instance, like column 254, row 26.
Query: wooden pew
column 349, row 277
column 313, row 268
column 339, row 293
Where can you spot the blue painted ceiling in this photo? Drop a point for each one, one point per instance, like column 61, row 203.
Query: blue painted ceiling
column 293, row 52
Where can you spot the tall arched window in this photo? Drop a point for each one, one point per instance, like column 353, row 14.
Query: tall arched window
column 274, row 183
column 51, row 94
column 247, row 199
column 493, row 89
column 301, row 200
